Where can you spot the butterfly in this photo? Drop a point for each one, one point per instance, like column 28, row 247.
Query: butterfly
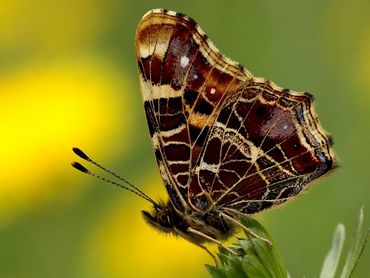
column 227, row 143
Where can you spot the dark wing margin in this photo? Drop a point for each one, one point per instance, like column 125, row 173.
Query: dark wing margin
column 265, row 146
column 184, row 79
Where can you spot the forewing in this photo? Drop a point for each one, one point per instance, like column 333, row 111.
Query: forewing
column 183, row 80
column 265, row 146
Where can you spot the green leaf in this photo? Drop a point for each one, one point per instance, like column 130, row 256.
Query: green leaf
column 223, row 255
column 357, row 247
column 234, row 269
column 268, row 255
column 215, row 272
column 253, row 267
column 331, row 262
column 259, row 259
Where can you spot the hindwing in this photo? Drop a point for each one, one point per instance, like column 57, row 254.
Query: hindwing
column 264, row 147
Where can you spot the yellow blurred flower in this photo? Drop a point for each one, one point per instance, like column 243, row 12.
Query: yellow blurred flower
column 45, row 109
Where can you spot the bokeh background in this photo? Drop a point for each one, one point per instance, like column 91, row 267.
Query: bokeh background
column 68, row 78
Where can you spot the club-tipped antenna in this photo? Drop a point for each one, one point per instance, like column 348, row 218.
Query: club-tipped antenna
column 81, row 154
column 83, row 169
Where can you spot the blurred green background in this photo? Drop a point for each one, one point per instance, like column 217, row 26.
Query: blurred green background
column 68, row 78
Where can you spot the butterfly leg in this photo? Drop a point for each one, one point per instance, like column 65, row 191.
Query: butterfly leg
column 236, row 222
column 211, row 239
column 209, row 252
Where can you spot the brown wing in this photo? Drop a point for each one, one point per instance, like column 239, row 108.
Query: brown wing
column 265, row 146
column 183, row 78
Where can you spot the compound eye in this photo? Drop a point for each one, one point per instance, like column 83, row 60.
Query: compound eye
column 162, row 217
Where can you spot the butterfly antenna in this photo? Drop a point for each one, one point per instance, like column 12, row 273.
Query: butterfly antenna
column 83, row 169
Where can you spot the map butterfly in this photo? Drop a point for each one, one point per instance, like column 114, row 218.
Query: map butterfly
column 227, row 143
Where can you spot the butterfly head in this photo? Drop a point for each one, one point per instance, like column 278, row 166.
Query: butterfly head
column 166, row 219
column 160, row 217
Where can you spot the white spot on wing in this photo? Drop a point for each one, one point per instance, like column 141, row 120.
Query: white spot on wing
column 213, row 91
column 184, row 61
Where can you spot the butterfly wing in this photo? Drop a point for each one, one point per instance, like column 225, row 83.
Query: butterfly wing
column 183, row 79
column 264, row 147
